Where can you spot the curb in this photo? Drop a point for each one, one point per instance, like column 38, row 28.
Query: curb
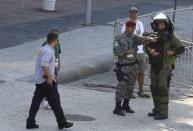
column 88, row 67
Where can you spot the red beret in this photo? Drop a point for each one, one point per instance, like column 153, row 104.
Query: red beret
column 130, row 23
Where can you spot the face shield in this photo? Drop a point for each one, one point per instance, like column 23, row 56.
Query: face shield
column 162, row 18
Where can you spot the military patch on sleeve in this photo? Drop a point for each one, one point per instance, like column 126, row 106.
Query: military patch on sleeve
column 116, row 45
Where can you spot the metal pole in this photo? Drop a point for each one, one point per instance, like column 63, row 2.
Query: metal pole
column 88, row 12
column 174, row 14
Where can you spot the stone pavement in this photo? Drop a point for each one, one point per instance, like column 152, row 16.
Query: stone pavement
column 106, row 82
column 89, row 109
column 89, row 102
column 83, row 53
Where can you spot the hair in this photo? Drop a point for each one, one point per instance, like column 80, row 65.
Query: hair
column 133, row 9
column 51, row 37
column 54, row 29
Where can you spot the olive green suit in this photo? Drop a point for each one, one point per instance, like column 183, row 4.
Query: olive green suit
column 160, row 73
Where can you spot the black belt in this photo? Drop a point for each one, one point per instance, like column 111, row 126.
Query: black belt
column 125, row 64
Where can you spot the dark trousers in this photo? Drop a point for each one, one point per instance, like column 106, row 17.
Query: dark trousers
column 52, row 95
column 160, row 82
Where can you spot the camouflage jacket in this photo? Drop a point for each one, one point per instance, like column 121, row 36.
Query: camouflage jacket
column 123, row 43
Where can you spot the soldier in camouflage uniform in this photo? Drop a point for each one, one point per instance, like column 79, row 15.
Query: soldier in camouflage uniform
column 162, row 55
column 125, row 48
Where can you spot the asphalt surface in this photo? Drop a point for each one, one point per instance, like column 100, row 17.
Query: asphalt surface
column 16, row 34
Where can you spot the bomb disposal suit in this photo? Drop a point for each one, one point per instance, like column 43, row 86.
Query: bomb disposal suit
column 167, row 48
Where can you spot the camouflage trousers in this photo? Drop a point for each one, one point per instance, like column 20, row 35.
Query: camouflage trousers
column 160, row 84
column 125, row 87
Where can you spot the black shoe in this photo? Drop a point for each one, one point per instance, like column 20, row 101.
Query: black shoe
column 32, row 126
column 160, row 116
column 118, row 110
column 65, row 125
column 143, row 95
column 126, row 107
column 128, row 110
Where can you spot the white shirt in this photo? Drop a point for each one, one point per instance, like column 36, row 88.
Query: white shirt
column 139, row 30
column 46, row 58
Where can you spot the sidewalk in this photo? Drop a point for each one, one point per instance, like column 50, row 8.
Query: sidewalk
column 90, row 109
column 89, row 102
column 84, row 53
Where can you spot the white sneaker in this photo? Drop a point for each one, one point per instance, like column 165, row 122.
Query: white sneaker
column 46, row 106
column 42, row 105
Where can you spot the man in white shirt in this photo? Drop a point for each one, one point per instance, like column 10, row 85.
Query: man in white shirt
column 45, row 81
column 141, row 57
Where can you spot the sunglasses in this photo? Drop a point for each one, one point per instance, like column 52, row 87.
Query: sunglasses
column 133, row 12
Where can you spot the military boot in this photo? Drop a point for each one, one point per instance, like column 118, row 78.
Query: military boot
column 126, row 107
column 163, row 108
column 118, row 110
column 161, row 116
column 153, row 113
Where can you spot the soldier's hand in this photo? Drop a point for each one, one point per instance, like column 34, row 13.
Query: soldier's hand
column 153, row 52
column 170, row 53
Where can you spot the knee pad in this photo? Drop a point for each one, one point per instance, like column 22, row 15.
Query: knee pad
column 162, row 91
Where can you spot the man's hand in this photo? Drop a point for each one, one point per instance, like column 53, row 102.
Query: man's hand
column 153, row 52
column 47, row 73
column 170, row 53
column 49, row 80
column 153, row 39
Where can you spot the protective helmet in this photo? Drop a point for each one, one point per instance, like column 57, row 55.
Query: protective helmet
column 161, row 17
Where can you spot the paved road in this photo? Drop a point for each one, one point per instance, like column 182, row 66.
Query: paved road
column 11, row 35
